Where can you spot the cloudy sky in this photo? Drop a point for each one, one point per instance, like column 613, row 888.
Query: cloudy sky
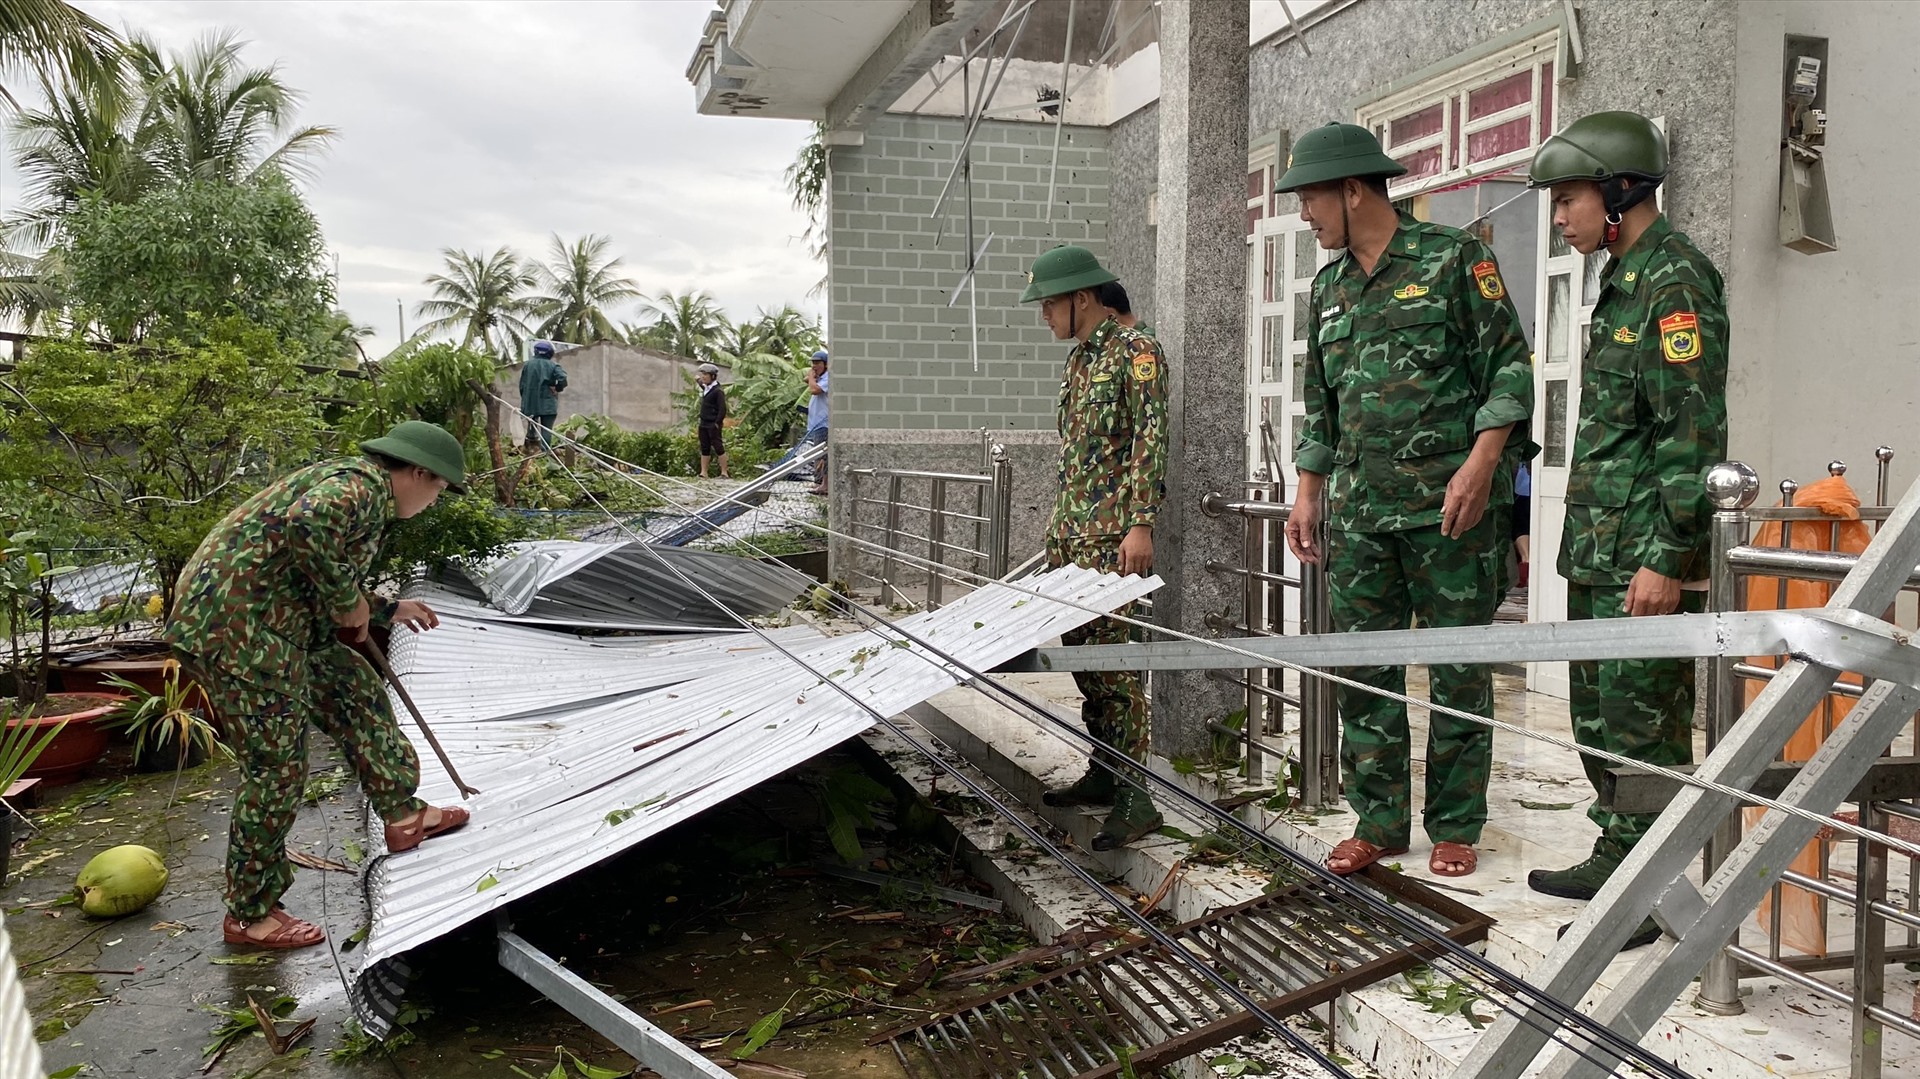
column 477, row 124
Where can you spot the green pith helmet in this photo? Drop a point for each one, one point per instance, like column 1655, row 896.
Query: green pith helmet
column 1600, row 147
column 1336, row 151
column 418, row 442
column 1063, row 270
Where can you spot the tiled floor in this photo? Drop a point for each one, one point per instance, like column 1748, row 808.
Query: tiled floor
column 1537, row 802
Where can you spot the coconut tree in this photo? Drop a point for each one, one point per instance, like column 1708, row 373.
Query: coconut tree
column 790, row 331
column 91, row 136
column 580, row 282
column 219, row 119
column 51, row 36
column 480, row 298
column 690, row 324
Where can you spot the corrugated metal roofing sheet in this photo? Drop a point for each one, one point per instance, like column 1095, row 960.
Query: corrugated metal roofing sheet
column 584, row 747
column 571, row 582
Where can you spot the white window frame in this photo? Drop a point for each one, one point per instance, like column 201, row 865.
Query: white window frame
column 1532, row 54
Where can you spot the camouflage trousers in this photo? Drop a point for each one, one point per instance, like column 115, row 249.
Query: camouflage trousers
column 341, row 695
column 1639, row 708
column 1115, row 704
column 1393, row 580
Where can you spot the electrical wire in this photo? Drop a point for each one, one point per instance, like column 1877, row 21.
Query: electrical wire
column 969, row 578
column 1497, row 976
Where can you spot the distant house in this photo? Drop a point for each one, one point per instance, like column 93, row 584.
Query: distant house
column 634, row 387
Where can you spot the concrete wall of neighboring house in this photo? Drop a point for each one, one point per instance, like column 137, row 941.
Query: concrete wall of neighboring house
column 1830, row 358
column 631, row 386
column 905, row 391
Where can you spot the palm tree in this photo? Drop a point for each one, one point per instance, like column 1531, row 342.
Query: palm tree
column 580, row 284
column 51, row 36
column 807, row 181
column 689, row 324
column 740, row 338
column 789, row 331
column 481, row 298
column 221, row 120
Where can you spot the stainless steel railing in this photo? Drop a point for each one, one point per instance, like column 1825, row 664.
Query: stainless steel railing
column 1735, row 561
column 1267, row 589
column 992, row 508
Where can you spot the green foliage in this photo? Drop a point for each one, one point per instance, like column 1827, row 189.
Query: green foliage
column 21, row 746
column 176, row 260
column 433, row 382
column 1442, row 998
column 154, row 444
column 763, row 395
column 846, row 797
column 761, row 1032
column 155, row 721
column 579, row 283
column 465, row 526
column 27, row 570
column 482, row 298
column 688, row 324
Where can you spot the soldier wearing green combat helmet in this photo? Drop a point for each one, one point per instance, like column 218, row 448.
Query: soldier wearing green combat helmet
column 1113, row 459
column 1416, row 375
column 1653, row 419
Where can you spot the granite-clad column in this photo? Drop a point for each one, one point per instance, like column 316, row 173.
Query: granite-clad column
column 1200, row 298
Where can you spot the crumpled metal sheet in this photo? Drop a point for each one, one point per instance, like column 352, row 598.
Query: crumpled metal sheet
column 573, row 582
column 583, row 747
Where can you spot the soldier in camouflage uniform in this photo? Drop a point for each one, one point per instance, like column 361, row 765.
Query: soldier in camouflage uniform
column 1416, row 375
column 1653, row 419
column 1113, row 460
column 255, row 622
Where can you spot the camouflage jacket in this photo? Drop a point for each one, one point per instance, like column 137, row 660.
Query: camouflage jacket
column 266, row 582
column 1404, row 368
column 1653, row 416
column 1113, row 436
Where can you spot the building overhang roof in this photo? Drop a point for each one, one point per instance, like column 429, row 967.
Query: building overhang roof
column 789, row 59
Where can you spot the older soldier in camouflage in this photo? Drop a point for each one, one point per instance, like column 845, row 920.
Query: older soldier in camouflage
column 1113, row 460
column 1653, row 419
column 1416, row 374
column 261, row 612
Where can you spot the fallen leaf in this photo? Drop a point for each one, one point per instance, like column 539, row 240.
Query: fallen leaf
column 1524, row 804
column 241, row 960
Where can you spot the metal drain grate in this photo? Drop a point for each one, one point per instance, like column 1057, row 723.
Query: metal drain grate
column 1291, row 950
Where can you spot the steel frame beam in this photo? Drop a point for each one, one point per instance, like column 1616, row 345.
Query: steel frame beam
column 1652, row 880
column 651, row 1046
column 1843, row 638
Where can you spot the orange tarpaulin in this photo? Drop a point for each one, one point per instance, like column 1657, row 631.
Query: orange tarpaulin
column 1803, row 915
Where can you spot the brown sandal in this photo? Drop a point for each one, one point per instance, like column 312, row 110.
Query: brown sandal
column 291, row 932
column 1445, row 854
column 405, row 837
column 1358, row 854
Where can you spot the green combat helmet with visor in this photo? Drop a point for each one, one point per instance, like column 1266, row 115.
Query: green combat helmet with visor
column 1623, row 152
column 1336, row 151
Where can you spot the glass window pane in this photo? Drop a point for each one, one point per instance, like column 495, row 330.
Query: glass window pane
column 1594, row 269
column 1306, row 255
column 1302, row 310
column 1299, row 374
column 1504, row 139
column 1554, row 454
column 1275, row 347
column 1416, row 125
column 1556, row 241
column 1271, row 273
column 1559, row 318
column 1256, row 184
column 1513, row 90
column 1420, row 164
column 1546, row 100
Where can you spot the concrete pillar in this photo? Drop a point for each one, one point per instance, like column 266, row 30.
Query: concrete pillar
column 1200, row 297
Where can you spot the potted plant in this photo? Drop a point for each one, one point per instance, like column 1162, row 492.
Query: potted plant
column 168, row 728
column 20, row 747
column 26, row 589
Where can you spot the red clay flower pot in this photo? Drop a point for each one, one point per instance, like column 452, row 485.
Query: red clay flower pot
column 82, row 742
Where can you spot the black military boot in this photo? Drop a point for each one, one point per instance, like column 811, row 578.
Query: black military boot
column 1093, row 789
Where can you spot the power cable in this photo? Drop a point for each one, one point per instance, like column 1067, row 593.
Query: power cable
column 1500, row 977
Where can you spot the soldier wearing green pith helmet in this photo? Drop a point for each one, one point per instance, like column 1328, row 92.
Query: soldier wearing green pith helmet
column 1416, row 377
column 259, row 620
column 1113, row 461
column 1653, row 419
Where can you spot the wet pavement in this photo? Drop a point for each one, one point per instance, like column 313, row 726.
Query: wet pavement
column 724, row 910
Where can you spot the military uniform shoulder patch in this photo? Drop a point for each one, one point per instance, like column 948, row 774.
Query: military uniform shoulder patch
column 1146, row 359
column 1625, row 335
column 1410, row 292
column 1680, row 337
column 1486, row 275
